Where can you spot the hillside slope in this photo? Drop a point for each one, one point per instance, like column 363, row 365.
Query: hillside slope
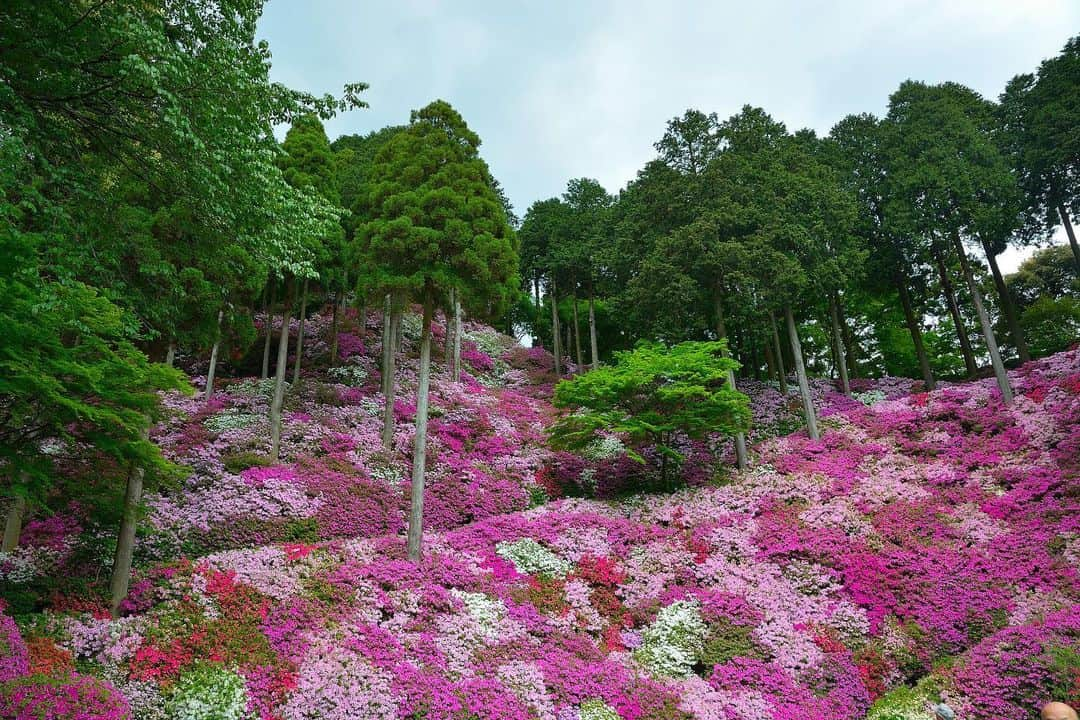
column 929, row 540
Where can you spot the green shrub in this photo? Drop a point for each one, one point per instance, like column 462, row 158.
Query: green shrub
column 236, row 463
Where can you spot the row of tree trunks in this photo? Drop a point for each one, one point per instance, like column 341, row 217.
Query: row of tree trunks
column 279, row 375
column 838, row 339
column 1007, row 306
column 13, row 525
column 779, row 351
column 1064, row 215
column 984, row 321
column 553, row 292
column 416, row 509
column 592, row 334
column 391, row 323
column 577, row 335
column 214, row 357
column 721, row 333
column 125, row 539
column 268, row 305
column 949, row 293
column 800, row 375
column 300, row 333
column 915, row 328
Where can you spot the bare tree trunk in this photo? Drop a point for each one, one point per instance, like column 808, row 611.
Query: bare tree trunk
column 849, row 342
column 770, row 361
column 125, row 539
column 416, row 510
column 984, row 320
column 916, row 332
column 555, row 328
column 592, row 334
column 13, row 526
column 268, row 313
column 721, row 332
column 448, row 345
column 800, row 375
column 213, row 357
column 954, row 310
column 170, row 354
column 300, row 333
column 457, row 339
column 1007, row 305
column 779, row 351
column 577, row 335
column 1064, row 215
column 333, row 330
column 841, row 360
column 389, row 369
column 279, row 375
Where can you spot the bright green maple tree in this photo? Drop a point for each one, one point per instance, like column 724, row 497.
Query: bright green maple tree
column 651, row 396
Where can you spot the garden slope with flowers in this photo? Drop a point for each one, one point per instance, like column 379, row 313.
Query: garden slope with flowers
column 927, row 546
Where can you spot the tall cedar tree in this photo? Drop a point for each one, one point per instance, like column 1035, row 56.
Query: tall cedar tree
column 436, row 225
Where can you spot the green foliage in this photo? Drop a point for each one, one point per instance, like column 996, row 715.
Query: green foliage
column 651, row 396
column 436, row 223
column 239, row 461
column 726, row 640
column 1051, row 324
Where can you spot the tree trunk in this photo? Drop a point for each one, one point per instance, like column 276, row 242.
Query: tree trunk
column 1064, row 215
column 279, row 375
column 389, row 369
column 13, row 526
column 568, row 341
column 592, row 334
column 849, row 342
column 213, row 357
column 333, row 330
column 841, row 360
column 721, row 332
column 800, row 375
column 577, row 335
column 300, row 333
column 1007, row 306
column 954, row 310
column 448, row 339
column 416, row 510
column 268, row 313
column 770, row 361
column 170, row 354
column 125, row 539
column 555, row 328
column 916, row 332
column 779, row 351
column 457, row 339
column 984, row 320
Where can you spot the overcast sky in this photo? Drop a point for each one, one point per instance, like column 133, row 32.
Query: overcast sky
column 559, row 89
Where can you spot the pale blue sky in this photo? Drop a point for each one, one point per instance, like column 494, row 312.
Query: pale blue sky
column 560, row 89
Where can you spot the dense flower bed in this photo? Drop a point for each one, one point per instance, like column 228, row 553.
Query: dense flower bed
column 927, row 547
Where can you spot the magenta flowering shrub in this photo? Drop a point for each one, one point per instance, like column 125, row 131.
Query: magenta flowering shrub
column 14, row 658
column 77, row 697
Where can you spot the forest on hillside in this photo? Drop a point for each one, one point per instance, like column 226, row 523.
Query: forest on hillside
column 782, row 439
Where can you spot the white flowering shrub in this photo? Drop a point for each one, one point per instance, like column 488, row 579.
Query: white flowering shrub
column 209, row 692
column 231, row 419
column 486, row 611
column 870, row 397
column 671, row 645
column 532, row 558
column 604, row 448
column 370, row 406
column 489, row 342
column 23, row 564
column 351, row 375
column 596, row 709
column 254, row 388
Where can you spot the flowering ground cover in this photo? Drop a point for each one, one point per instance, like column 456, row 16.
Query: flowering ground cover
column 927, row 546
